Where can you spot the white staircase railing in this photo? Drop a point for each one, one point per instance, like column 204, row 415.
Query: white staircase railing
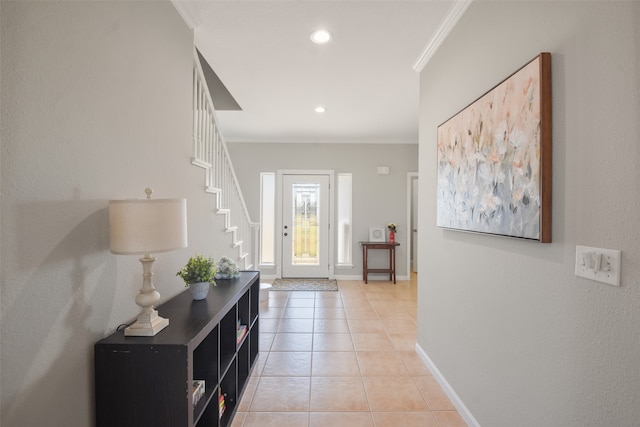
column 210, row 152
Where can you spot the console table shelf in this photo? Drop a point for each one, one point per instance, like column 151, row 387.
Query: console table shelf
column 147, row 381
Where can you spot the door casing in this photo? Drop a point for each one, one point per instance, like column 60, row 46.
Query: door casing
column 279, row 215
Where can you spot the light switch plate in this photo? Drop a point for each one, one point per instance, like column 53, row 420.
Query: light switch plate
column 601, row 265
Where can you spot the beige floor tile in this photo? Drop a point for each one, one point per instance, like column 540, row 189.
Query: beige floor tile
column 337, row 394
column 287, row 363
column 269, row 325
column 330, row 313
column 380, row 295
column 334, row 363
column 278, row 299
column 404, row 419
column 332, row 342
column 354, row 297
column 291, row 341
column 266, row 340
column 403, row 342
column 350, row 283
column 298, row 312
column 277, row 419
column 381, row 364
column 449, row 419
column 404, row 293
column 354, row 357
column 400, row 326
column 333, row 326
column 372, row 342
column 238, row 419
column 295, row 325
column 388, row 304
column 278, row 394
column 271, row 313
column 329, row 302
column 392, row 394
column 393, row 314
column 302, row 295
column 340, row 419
column 259, row 364
column 328, row 295
column 433, row 393
column 300, row 302
column 360, row 313
column 414, row 364
column 366, row 326
column 247, row 394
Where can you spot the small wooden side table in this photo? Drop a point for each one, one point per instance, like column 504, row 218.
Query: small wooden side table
column 391, row 247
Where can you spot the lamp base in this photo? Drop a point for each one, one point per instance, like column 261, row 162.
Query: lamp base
column 147, row 325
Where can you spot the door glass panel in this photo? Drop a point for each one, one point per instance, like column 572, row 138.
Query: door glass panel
column 306, row 217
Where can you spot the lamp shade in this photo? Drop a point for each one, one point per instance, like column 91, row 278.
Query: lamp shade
column 147, row 226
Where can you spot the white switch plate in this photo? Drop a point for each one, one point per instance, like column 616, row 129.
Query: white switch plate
column 383, row 170
column 601, row 265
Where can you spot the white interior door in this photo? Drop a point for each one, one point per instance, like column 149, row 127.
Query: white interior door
column 305, row 225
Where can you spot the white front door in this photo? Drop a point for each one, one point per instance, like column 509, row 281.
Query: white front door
column 305, row 225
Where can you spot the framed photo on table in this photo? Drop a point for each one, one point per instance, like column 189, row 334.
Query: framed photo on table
column 377, row 234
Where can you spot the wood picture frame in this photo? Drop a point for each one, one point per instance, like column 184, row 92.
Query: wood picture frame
column 494, row 159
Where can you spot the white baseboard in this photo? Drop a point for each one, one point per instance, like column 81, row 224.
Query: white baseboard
column 446, row 387
column 377, row 278
column 343, row 277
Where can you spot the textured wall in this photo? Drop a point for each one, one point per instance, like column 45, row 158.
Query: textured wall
column 96, row 105
column 522, row 340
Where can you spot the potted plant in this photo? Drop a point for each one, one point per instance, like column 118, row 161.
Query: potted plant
column 226, row 269
column 198, row 275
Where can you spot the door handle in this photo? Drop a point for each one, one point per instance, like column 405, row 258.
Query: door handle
column 285, row 234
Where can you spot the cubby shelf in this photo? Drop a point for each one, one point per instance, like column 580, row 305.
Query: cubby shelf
column 147, row 381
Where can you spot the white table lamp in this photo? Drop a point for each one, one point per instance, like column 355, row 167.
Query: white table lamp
column 146, row 226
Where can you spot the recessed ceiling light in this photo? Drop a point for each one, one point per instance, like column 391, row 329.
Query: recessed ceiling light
column 320, row 36
column 320, row 109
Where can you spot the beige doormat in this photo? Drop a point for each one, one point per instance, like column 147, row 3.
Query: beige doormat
column 305, row 285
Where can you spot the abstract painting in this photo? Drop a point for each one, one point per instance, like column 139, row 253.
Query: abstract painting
column 494, row 159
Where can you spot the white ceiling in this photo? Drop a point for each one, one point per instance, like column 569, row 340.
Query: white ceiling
column 364, row 77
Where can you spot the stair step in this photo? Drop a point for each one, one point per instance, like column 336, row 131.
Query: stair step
column 200, row 163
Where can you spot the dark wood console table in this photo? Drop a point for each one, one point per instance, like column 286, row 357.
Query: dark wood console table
column 391, row 247
column 148, row 381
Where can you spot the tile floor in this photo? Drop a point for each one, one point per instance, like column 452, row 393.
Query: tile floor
column 343, row 358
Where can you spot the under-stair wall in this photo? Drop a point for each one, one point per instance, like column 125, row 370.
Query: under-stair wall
column 210, row 152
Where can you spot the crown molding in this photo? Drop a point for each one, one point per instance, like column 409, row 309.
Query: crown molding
column 313, row 140
column 186, row 11
column 452, row 17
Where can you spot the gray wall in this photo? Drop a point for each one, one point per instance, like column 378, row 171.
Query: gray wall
column 377, row 199
column 96, row 105
column 521, row 340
